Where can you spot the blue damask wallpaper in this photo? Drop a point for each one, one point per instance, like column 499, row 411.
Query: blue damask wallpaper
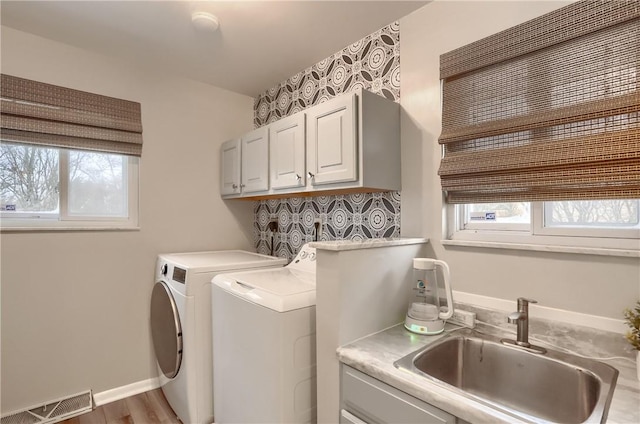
column 373, row 64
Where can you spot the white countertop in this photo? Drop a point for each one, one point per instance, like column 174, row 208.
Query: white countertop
column 374, row 355
column 341, row 245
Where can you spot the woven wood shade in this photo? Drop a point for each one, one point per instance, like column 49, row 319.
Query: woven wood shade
column 546, row 110
column 33, row 112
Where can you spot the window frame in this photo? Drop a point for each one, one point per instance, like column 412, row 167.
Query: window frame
column 614, row 242
column 47, row 221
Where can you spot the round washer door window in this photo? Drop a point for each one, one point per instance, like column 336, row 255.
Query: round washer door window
column 166, row 330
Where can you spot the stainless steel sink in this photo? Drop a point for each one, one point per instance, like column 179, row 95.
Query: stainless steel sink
column 535, row 387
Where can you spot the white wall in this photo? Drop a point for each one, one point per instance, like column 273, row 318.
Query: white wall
column 359, row 292
column 595, row 285
column 75, row 305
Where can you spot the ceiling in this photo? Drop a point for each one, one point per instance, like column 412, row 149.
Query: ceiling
column 258, row 44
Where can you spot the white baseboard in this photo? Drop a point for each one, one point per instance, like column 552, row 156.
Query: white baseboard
column 122, row 392
column 564, row 316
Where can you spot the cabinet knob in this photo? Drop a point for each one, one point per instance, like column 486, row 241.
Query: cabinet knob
column 310, row 174
column 298, row 177
column 242, row 185
column 234, row 186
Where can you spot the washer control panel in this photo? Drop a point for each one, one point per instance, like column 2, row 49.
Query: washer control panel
column 305, row 260
column 179, row 275
column 174, row 276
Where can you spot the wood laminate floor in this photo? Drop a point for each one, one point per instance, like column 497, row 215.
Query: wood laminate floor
column 145, row 408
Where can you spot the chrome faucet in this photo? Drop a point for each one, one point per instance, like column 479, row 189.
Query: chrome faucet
column 521, row 319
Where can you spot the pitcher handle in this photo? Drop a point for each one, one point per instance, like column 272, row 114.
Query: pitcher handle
column 447, row 288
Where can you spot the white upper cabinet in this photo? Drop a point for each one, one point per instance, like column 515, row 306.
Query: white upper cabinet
column 287, row 152
column 348, row 144
column 255, row 161
column 332, row 141
column 230, row 167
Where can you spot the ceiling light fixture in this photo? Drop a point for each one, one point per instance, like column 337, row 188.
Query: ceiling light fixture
column 204, row 21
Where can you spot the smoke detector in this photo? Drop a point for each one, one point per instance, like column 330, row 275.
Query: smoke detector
column 204, row 21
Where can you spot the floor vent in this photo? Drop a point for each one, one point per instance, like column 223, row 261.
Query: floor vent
column 53, row 411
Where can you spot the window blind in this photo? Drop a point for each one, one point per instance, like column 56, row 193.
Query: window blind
column 33, row 112
column 546, row 110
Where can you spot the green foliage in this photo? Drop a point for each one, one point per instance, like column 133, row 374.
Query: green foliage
column 633, row 321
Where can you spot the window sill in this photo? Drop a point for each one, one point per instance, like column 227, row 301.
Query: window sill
column 65, row 229
column 544, row 248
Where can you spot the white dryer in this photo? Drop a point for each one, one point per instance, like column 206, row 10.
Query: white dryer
column 264, row 334
column 181, row 325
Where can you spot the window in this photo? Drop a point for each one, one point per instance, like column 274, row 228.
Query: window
column 612, row 225
column 593, row 214
column 68, row 158
column 45, row 187
column 546, row 112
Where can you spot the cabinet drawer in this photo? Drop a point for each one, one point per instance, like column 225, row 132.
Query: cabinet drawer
column 375, row 402
column 347, row 417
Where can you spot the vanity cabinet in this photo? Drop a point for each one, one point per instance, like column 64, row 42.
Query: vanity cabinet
column 348, row 144
column 365, row 400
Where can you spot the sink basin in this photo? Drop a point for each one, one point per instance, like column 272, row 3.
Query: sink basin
column 535, row 387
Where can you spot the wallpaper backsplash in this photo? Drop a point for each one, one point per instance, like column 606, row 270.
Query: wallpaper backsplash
column 352, row 216
column 373, row 64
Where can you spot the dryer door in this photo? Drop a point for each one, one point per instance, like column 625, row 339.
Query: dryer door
column 166, row 330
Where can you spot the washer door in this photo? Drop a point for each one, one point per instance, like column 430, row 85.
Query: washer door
column 166, row 330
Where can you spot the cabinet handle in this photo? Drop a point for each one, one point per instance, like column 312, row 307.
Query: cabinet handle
column 310, row 174
column 298, row 177
column 234, row 186
column 242, row 186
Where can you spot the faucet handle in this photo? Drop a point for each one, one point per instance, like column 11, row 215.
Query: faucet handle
column 524, row 299
column 523, row 302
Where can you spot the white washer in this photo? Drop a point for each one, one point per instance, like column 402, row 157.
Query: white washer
column 181, row 325
column 264, row 344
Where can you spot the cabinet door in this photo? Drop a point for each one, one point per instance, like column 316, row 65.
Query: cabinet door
column 375, row 402
column 332, row 141
column 287, row 152
column 255, row 161
column 230, row 167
